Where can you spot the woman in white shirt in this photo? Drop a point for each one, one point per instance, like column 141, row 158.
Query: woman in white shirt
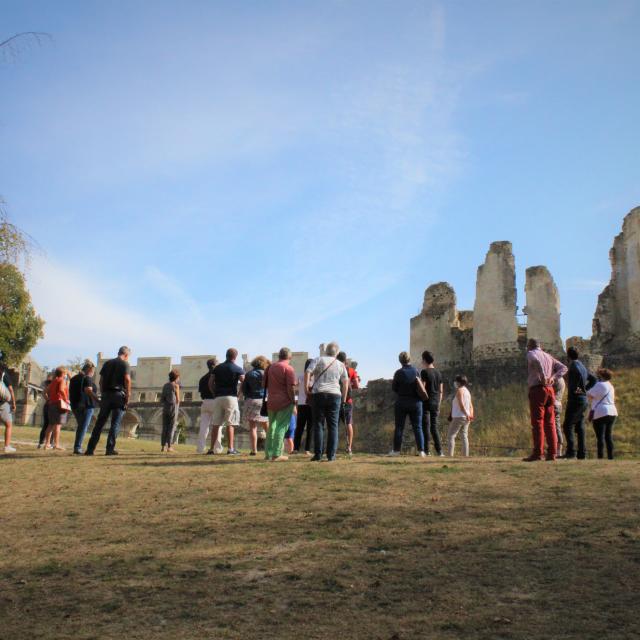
column 603, row 407
column 461, row 415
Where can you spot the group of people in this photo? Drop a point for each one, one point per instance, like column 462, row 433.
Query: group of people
column 281, row 406
column 419, row 396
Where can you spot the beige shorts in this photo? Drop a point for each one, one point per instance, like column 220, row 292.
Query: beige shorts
column 5, row 413
column 226, row 411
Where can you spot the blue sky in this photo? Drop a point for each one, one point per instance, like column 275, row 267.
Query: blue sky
column 208, row 174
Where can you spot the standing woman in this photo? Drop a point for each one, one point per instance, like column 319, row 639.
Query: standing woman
column 253, row 389
column 303, row 419
column 170, row 398
column 461, row 415
column 58, row 407
column 603, row 411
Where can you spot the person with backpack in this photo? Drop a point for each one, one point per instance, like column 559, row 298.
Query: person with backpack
column 346, row 411
column 253, row 391
column 7, row 406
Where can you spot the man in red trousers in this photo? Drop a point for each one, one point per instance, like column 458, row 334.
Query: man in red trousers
column 543, row 371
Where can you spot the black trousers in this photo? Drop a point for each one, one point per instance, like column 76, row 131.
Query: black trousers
column 112, row 404
column 604, row 428
column 574, row 421
column 303, row 420
column 45, row 424
column 430, row 426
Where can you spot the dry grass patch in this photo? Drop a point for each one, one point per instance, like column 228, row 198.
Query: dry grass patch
column 146, row 545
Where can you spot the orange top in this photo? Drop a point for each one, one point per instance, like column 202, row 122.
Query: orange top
column 58, row 390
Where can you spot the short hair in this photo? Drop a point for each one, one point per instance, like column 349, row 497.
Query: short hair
column 354, row 364
column 572, row 353
column 260, row 362
column 212, row 362
column 404, row 357
column 231, row 354
column 463, row 381
column 332, row 349
column 59, row 372
column 533, row 343
column 605, row 374
column 88, row 365
column 427, row 357
column 124, row 351
column 284, row 353
column 174, row 374
column 342, row 356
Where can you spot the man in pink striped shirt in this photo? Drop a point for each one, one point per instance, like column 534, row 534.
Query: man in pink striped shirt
column 543, row 371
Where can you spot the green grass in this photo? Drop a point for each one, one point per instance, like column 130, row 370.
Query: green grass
column 150, row 545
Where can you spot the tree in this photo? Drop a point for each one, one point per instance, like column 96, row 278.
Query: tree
column 15, row 244
column 20, row 326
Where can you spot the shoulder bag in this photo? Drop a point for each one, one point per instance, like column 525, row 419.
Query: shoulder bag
column 317, row 378
column 264, row 410
column 593, row 411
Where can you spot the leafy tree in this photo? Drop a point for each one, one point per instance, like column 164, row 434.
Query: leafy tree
column 15, row 244
column 20, row 326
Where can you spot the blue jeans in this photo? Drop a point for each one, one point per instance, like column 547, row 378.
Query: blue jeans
column 574, row 421
column 112, row 403
column 83, row 418
column 413, row 408
column 326, row 406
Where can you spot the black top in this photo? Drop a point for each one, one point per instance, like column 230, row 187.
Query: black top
column 75, row 390
column 113, row 373
column 226, row 377
column 88, row 383
column 579, row 380
column 432, row 379
column 404, row 382
column 203, row 387
column 252, row 386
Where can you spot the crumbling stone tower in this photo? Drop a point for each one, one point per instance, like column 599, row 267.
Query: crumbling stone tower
column 543, row 309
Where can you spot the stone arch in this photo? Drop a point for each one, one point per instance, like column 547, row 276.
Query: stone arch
column 132, row 422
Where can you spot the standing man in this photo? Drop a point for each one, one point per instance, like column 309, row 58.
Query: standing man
column 83, row 399
column 329, row 389
column 7, row 406
column 543, row 371
column 115, row 387
column 346, row 411
column 432, row 380
column 579, row 381
column 224, row 383
column 206, row 409
column 281, row 402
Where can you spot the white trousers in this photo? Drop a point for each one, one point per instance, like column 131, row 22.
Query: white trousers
column 206, row 422
column 455, row 426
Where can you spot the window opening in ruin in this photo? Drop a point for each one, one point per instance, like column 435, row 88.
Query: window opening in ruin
column 143, row 397
column 188, row 396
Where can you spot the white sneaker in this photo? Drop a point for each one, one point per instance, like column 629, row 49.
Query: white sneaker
column 422, row 454
column 10, row 449
column 393, row 453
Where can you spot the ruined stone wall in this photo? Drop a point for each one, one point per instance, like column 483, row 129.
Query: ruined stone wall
column 616, row 323
column 440, row 328
column 495, row 329
column 192, row 368
column 543, row 309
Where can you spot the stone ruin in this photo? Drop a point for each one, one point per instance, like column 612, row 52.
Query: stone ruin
column 491, row 336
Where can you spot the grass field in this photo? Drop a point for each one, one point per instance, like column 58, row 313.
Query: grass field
column 150, row 545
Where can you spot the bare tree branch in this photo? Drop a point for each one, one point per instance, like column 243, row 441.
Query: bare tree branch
column 11, row 47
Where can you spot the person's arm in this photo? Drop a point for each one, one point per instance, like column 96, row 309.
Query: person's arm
column 176, row 388
column 127, row 388
column 473, row 411
column 355, row 382
column 240, row 381
column 558, row 369
column 13, row 398
column 441, row 394
column 344, row 385
column 88, row 390
column 592, row 381
column 394, row 383
column 291, row 386
column 212, row 383
column 461, row 404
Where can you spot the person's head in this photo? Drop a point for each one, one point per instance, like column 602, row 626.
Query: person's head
column 604, row 374
column 261, row 362
column 231, row 355
column 332, row 349
column 212, row 363
column 174, row 375
column 532, row 344
column 427, row 357
column 342, row 356
column 284, row 354
column 354, row 364
column 124, row 352
column 404, row 358
column 572, row 353
column 60, row 372
column 461, row 381
column 88, row 368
